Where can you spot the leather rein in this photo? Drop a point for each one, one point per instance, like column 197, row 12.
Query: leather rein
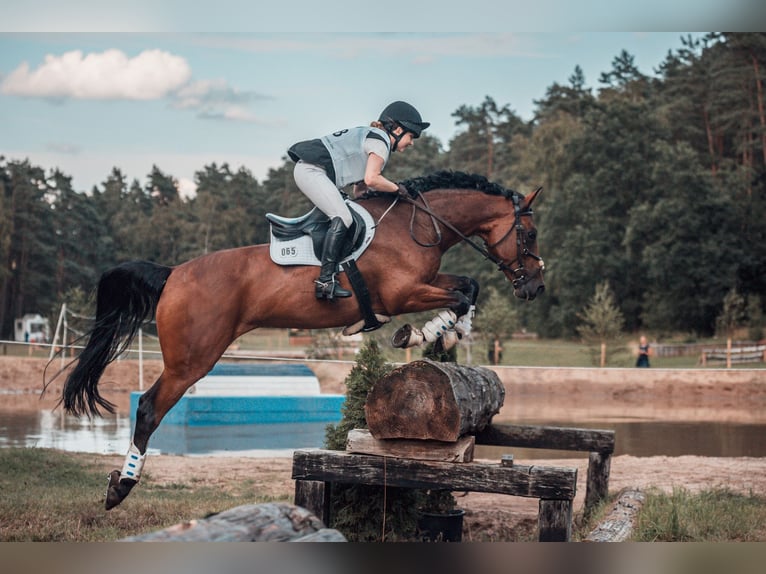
column 519, row 273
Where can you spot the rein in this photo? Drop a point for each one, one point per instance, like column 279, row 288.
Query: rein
column 519, row 273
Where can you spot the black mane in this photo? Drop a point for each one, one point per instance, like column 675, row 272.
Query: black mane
column 446, row 179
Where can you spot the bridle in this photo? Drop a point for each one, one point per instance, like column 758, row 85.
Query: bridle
column 519, row 272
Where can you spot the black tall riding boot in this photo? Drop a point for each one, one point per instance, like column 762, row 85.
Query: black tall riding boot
column 327, row 286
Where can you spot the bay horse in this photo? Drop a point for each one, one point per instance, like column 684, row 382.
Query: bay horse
column 201, row 306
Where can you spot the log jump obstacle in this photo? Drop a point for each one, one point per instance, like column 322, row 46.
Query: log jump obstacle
column 315, row 471
column 424, row 419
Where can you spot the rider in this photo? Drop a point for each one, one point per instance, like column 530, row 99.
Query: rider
column 355, row 155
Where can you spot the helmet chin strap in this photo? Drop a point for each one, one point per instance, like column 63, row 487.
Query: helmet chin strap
column 397, row 139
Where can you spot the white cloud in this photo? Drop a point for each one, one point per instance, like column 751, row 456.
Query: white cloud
column 108, row 75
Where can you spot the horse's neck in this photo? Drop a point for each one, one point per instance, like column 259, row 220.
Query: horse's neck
column 465, row 210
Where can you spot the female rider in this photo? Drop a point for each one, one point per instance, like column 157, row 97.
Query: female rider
column 354, row 155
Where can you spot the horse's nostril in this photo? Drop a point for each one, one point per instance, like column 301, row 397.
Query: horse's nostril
column 541, row 289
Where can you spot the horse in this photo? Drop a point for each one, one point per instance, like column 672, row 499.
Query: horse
column 202, row 305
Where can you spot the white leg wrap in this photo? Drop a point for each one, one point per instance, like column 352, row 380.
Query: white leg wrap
column 134, row 463
column 440, row 324
column 464, row 323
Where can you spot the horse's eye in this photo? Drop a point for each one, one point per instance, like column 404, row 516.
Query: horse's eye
column 532, row 235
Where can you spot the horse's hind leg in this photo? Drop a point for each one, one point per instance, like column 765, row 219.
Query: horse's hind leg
column 152, row 406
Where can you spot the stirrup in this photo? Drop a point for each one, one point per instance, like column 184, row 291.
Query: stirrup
column 330, row 289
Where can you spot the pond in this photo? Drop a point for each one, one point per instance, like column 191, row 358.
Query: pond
column 111, row 435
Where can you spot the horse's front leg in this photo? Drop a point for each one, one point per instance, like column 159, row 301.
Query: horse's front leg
column 456, row 295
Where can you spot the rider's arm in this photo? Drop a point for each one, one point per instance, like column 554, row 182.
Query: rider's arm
column 373, row 176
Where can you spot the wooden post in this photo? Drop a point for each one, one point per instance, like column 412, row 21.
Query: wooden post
column 554, row 522
column 314, row 496
column 597, row 487
column 603, row 354
column 728, row 352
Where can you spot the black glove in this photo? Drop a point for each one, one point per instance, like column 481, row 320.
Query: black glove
column 403, row 192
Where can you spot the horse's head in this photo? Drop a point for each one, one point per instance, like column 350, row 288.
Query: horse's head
column 512, row 240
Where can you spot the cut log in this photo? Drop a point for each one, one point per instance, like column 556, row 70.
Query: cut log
column 619, row 523
column 427, row 400
column 269, row 522
column 361, row 441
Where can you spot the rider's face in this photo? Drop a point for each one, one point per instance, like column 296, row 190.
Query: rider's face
column 406, row 141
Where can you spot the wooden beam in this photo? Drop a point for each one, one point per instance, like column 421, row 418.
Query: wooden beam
column 362, row 442
column 518, row 480
column 556, row 438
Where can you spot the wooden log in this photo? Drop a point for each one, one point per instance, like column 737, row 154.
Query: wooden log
column 597, row 485
column 427, row 400
column 361, row 441
column 556, row 438
column 270, row 522
column 619, row 523
column 559, row 483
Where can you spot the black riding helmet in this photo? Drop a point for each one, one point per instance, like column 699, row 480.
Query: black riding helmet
column 405, row 115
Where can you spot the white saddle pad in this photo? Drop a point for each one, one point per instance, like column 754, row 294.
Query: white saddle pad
column 300, row 251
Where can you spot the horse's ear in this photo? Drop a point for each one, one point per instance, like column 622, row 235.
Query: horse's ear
column 529, row 199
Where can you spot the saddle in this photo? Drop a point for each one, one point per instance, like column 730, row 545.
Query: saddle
column 299, row 240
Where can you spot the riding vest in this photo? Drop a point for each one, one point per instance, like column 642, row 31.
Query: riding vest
column 340, row 153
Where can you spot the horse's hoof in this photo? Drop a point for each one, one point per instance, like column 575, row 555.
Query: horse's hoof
column 446, row 341
column 406, row 336
column 117, row 489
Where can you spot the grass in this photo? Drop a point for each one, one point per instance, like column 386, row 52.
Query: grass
column 715, row 515
column 58, row 497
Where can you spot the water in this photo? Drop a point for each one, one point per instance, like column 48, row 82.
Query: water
column 658, row 438
column 111, row 435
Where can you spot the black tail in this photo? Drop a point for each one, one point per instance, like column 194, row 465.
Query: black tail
column 127, row 296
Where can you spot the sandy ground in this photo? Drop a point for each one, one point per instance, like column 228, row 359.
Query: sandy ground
column 488, row 516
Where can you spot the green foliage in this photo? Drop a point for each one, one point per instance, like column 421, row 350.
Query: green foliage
column 654, row 184
column 755, row 319
column 496, row 317
column 370, row 366
column 601, row 319
column 732, row 315
column 602, row 324
column 368, row 513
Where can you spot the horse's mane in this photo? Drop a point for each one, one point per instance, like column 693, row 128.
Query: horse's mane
column 447, row 179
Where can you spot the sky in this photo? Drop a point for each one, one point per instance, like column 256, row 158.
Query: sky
column 133, row 89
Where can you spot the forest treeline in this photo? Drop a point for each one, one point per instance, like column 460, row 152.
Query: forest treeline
column 653, row 183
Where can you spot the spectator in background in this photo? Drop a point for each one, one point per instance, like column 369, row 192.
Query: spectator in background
column 644, row 352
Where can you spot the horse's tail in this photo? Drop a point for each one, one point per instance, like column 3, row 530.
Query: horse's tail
column 127, row 296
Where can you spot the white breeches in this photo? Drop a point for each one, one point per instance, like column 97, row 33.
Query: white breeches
column 312, row 180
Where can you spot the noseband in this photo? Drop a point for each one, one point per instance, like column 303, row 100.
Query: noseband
column 519, row 273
